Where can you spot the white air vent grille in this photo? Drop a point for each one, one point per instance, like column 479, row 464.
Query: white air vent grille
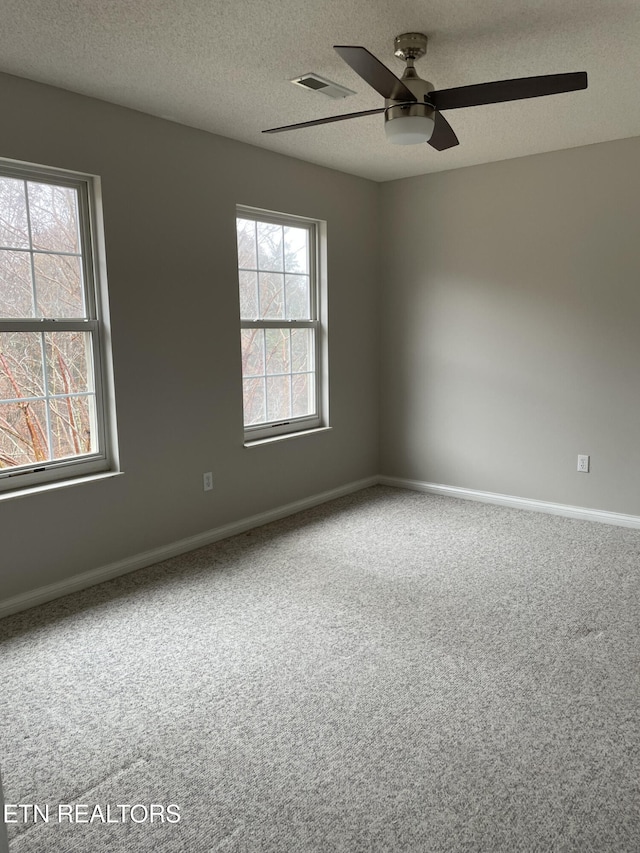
column 320, row 84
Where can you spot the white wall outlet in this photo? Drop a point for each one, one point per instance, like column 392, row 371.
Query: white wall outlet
column 583, row 464
column 207, row 481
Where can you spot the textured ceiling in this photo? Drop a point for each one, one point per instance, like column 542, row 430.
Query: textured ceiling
column 224, row 66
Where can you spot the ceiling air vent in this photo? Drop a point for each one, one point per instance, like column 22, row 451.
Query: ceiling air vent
column 321, row 84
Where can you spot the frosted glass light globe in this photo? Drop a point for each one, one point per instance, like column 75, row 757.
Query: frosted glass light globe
column 409, row 130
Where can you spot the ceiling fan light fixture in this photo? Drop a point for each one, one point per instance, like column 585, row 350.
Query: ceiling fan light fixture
column 409, row 130
column 409, row 124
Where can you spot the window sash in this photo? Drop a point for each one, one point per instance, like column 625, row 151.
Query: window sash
column 291, row 424
column 312, row 259
column 96, row 391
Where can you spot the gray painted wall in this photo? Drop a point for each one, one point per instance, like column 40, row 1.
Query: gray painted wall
column 169, row 196
column 511, row 327
column 504, row 343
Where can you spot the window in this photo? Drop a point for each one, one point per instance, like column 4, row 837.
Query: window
column 280, row 317
column 53, row 420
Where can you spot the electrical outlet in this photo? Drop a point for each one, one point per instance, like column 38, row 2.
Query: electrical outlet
column 207, row 481
column 583, row 464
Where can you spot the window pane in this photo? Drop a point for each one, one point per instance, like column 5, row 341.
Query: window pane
column 246, row 233
column 59, row 289
column 16, row 292
column 21, row 372
column 54, row 217
column 69, row 362
column 303, row 394
column 248, row 295
column 296, row 249
column 297, row 297
column 254, row 401
column 23, row 433
column 13, row 214
column 253, row 352
column 71, row 426
column 277, row 346
column 278, row 398
column 270, row 247
column 271, row 296
column 302, row 343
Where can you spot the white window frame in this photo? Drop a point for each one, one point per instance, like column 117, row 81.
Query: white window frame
column 105, row 457
column 318, row 322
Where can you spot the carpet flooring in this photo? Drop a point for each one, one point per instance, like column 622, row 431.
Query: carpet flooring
column 392, row 671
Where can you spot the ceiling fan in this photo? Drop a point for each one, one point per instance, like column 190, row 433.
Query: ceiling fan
column 413, row 108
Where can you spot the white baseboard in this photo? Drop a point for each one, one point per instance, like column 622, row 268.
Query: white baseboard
column 174, row 549
column 165, row 552
column 602, row 516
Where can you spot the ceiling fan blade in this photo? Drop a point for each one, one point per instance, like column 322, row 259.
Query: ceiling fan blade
column 375, row 73
column 323, row 121
column 443, row 136
column 507, row 90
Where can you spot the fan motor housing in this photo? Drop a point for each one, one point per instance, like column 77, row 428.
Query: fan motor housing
column 420, row 89
column 410, row 46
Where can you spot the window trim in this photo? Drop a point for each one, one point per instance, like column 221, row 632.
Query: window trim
column 92, row 252
column 255, row 434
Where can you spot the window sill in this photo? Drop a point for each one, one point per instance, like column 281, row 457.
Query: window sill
column 271, row 439
column 59, row 484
